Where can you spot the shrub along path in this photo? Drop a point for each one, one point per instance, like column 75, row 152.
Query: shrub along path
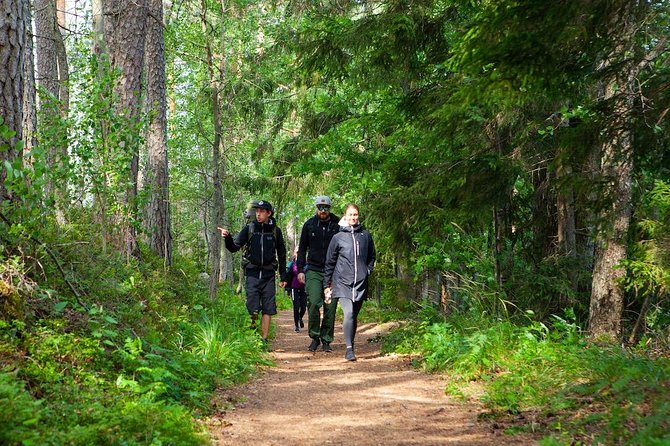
column 319, row 398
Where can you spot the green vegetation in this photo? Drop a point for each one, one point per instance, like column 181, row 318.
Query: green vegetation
column 136, row 367
column 510, row 158
column 571, row 391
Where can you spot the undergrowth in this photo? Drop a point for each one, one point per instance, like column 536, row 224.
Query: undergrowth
column 574, row 392
column 132, row 359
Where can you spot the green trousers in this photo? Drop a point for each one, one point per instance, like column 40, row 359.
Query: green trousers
column 323, row 329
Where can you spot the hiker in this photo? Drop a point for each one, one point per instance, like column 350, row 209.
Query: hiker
column 349, row 261
column 314, row 239
column 296, row 292
column 264, row 254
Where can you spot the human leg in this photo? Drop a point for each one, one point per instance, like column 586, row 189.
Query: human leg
column 253, row 298
column 348, row 321
column 296, row 309
column 328, row 323
column 265, row 325
column 302, row 299
column 357, row 309
column 314, row 288
column 268, row 303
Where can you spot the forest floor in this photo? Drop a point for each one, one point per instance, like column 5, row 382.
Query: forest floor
column 320, row 398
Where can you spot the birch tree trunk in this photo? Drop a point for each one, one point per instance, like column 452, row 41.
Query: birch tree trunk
column 158, row 208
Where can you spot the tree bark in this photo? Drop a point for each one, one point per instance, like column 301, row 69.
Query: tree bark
column 13, row 45
column 51, row 68
column 158, row 208
column 29, row 88
column 125, row 32
column 616, row 171
column 218, row 159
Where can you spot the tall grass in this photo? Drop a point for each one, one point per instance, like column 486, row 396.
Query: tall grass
column 577, row 392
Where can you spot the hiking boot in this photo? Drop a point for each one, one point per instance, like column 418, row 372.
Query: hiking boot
column 326, row 347
column 314, row 345
column 297, row 329
column 349, row 355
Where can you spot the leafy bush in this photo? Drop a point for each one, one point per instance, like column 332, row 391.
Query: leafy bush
column 134, row 365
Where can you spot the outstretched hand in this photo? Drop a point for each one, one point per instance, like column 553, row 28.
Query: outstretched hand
column 224, row 232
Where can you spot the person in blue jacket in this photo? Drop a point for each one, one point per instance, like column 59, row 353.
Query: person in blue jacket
column 349, row 261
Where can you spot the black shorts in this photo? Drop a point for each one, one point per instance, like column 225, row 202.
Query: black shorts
column 261, row 293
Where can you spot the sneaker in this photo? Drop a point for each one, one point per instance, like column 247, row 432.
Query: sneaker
column 349, row 355
column 297, row 329
column 313, row 346
column 302, row 324
column 326, row 347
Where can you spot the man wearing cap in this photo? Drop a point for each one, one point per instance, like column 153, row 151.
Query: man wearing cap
column 314, row 239
column 264, row 253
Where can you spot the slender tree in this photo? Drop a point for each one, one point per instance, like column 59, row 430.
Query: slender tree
column 158, row 207
column 29, row 87
column 215, row 73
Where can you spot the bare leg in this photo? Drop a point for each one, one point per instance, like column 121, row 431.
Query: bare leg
column 265, row 325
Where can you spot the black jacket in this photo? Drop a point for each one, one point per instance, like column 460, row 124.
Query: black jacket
column 266, row 249
column 349, row 261
column 314, row 240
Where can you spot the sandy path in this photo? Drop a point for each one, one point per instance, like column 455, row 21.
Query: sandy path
column 319, row 398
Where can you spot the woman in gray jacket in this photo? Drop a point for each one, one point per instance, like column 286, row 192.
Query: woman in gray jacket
column 349, row 262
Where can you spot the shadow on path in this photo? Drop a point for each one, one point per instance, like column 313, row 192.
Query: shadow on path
column 319, row 398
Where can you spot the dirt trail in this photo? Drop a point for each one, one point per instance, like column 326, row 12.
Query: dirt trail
column 319, row 398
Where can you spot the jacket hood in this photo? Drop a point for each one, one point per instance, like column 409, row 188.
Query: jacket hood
column 344, row 227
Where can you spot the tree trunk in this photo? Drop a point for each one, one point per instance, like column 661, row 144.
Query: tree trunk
column 616, row 169
column 125, row 31
column 29, row 88
column 566, row 229
column 61, row 58
column 158, row 208
column 218, row 160
column 13, row 37
column 50, row 71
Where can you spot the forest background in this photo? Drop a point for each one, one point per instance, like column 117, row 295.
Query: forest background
column 510, row 159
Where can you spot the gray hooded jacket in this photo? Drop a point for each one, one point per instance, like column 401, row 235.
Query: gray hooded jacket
column 349, row 262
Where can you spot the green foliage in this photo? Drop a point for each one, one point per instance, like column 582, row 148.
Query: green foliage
column 131, row 361
column 580, row 392
column 19, row 413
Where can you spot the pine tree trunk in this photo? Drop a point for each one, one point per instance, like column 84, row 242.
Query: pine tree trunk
column 125, row 32
column 158, row 208
column 13, row 38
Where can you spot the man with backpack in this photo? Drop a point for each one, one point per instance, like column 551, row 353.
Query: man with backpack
column 314, row 239
column 264, row 253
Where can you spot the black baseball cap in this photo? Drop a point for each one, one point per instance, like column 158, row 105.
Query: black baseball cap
column 262, row 204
